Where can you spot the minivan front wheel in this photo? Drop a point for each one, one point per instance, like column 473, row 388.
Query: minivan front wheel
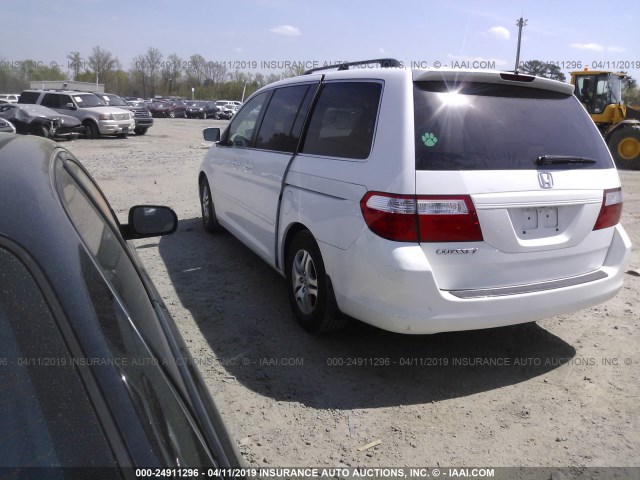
column 309, row 289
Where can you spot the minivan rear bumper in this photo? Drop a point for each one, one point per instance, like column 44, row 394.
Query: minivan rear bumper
column 399, row 292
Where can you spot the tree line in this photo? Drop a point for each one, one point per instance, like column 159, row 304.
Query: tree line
column 149, row 75
column 152, row 74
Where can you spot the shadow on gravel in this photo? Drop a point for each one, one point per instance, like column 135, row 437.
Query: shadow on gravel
column 241, row 307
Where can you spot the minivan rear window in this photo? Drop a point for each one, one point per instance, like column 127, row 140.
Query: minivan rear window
column 480, row 126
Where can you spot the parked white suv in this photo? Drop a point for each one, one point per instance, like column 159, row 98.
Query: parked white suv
column 421, row 201
column 97, row 117
column 9, row 97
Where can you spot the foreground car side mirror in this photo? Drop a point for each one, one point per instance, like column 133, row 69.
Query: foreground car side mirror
column 149, row 221
column 211, row 134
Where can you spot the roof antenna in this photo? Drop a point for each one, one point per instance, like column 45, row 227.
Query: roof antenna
column 520, row 23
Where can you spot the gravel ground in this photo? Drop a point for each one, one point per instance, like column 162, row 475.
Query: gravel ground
column 560, row 393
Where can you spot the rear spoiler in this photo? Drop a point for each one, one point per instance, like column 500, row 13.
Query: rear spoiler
column 492, row 76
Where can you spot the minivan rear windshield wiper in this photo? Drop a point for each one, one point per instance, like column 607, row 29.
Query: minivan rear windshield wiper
column 561, row 159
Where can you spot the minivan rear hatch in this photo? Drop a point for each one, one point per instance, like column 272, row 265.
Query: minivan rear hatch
column 522, row 159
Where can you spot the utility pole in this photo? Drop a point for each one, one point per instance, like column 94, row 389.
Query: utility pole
column 520, row 23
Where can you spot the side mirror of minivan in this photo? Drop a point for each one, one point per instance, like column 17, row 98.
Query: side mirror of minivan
column 149, row 221
column 211, row 134
column 70, row 106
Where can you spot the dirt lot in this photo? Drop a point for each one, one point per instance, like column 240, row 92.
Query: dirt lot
column 562, row 392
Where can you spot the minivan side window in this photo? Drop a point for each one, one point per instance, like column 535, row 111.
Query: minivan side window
column 242, row 128
column 343, row 120
column 279, row 131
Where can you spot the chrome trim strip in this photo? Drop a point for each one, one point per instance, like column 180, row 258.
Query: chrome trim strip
column 521, row 289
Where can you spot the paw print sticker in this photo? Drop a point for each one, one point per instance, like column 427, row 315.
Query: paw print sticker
column 429, row 139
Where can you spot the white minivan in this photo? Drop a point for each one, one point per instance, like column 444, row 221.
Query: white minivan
column 420, row 201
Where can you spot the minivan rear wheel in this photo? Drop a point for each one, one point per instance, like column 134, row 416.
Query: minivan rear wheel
column 309, row 289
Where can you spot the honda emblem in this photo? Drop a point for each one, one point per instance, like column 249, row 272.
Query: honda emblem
column 545, row 179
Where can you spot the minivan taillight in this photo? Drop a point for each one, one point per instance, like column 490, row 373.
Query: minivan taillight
column 391, row 216
column 448, row 219
column 611, row 209
column 409, row 218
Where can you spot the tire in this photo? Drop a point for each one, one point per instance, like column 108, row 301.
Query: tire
column 209, row 219
column 624, row 145
column 91, row 130
column 140, row 131
column 40, row 131
column 309, row 289
column 171, row 114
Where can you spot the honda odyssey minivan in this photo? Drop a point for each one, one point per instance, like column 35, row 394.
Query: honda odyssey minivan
column 420, row 201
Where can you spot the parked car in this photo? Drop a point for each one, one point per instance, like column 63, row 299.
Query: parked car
column 158, row 109
column 234, row 103
column 130, row 99
column 202, row 109
column 96, row 116
column 168, row 109
column 6, row 126
column 421, row 201
column 137, row 103
column 10, row 97
column 141, row 114
column 94, row 371
column 227, row 110
column 41, row 121
column 226, row 113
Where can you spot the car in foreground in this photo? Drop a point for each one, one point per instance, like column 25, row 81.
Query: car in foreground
column 94, row 372
column 141, row 114
column 41, row 121
column 96, row 116
column 420, row 201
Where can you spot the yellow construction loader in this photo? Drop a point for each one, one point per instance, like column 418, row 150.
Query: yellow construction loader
column 601, row 94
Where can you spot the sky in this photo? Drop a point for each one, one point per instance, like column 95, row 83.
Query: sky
column 260, row 36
